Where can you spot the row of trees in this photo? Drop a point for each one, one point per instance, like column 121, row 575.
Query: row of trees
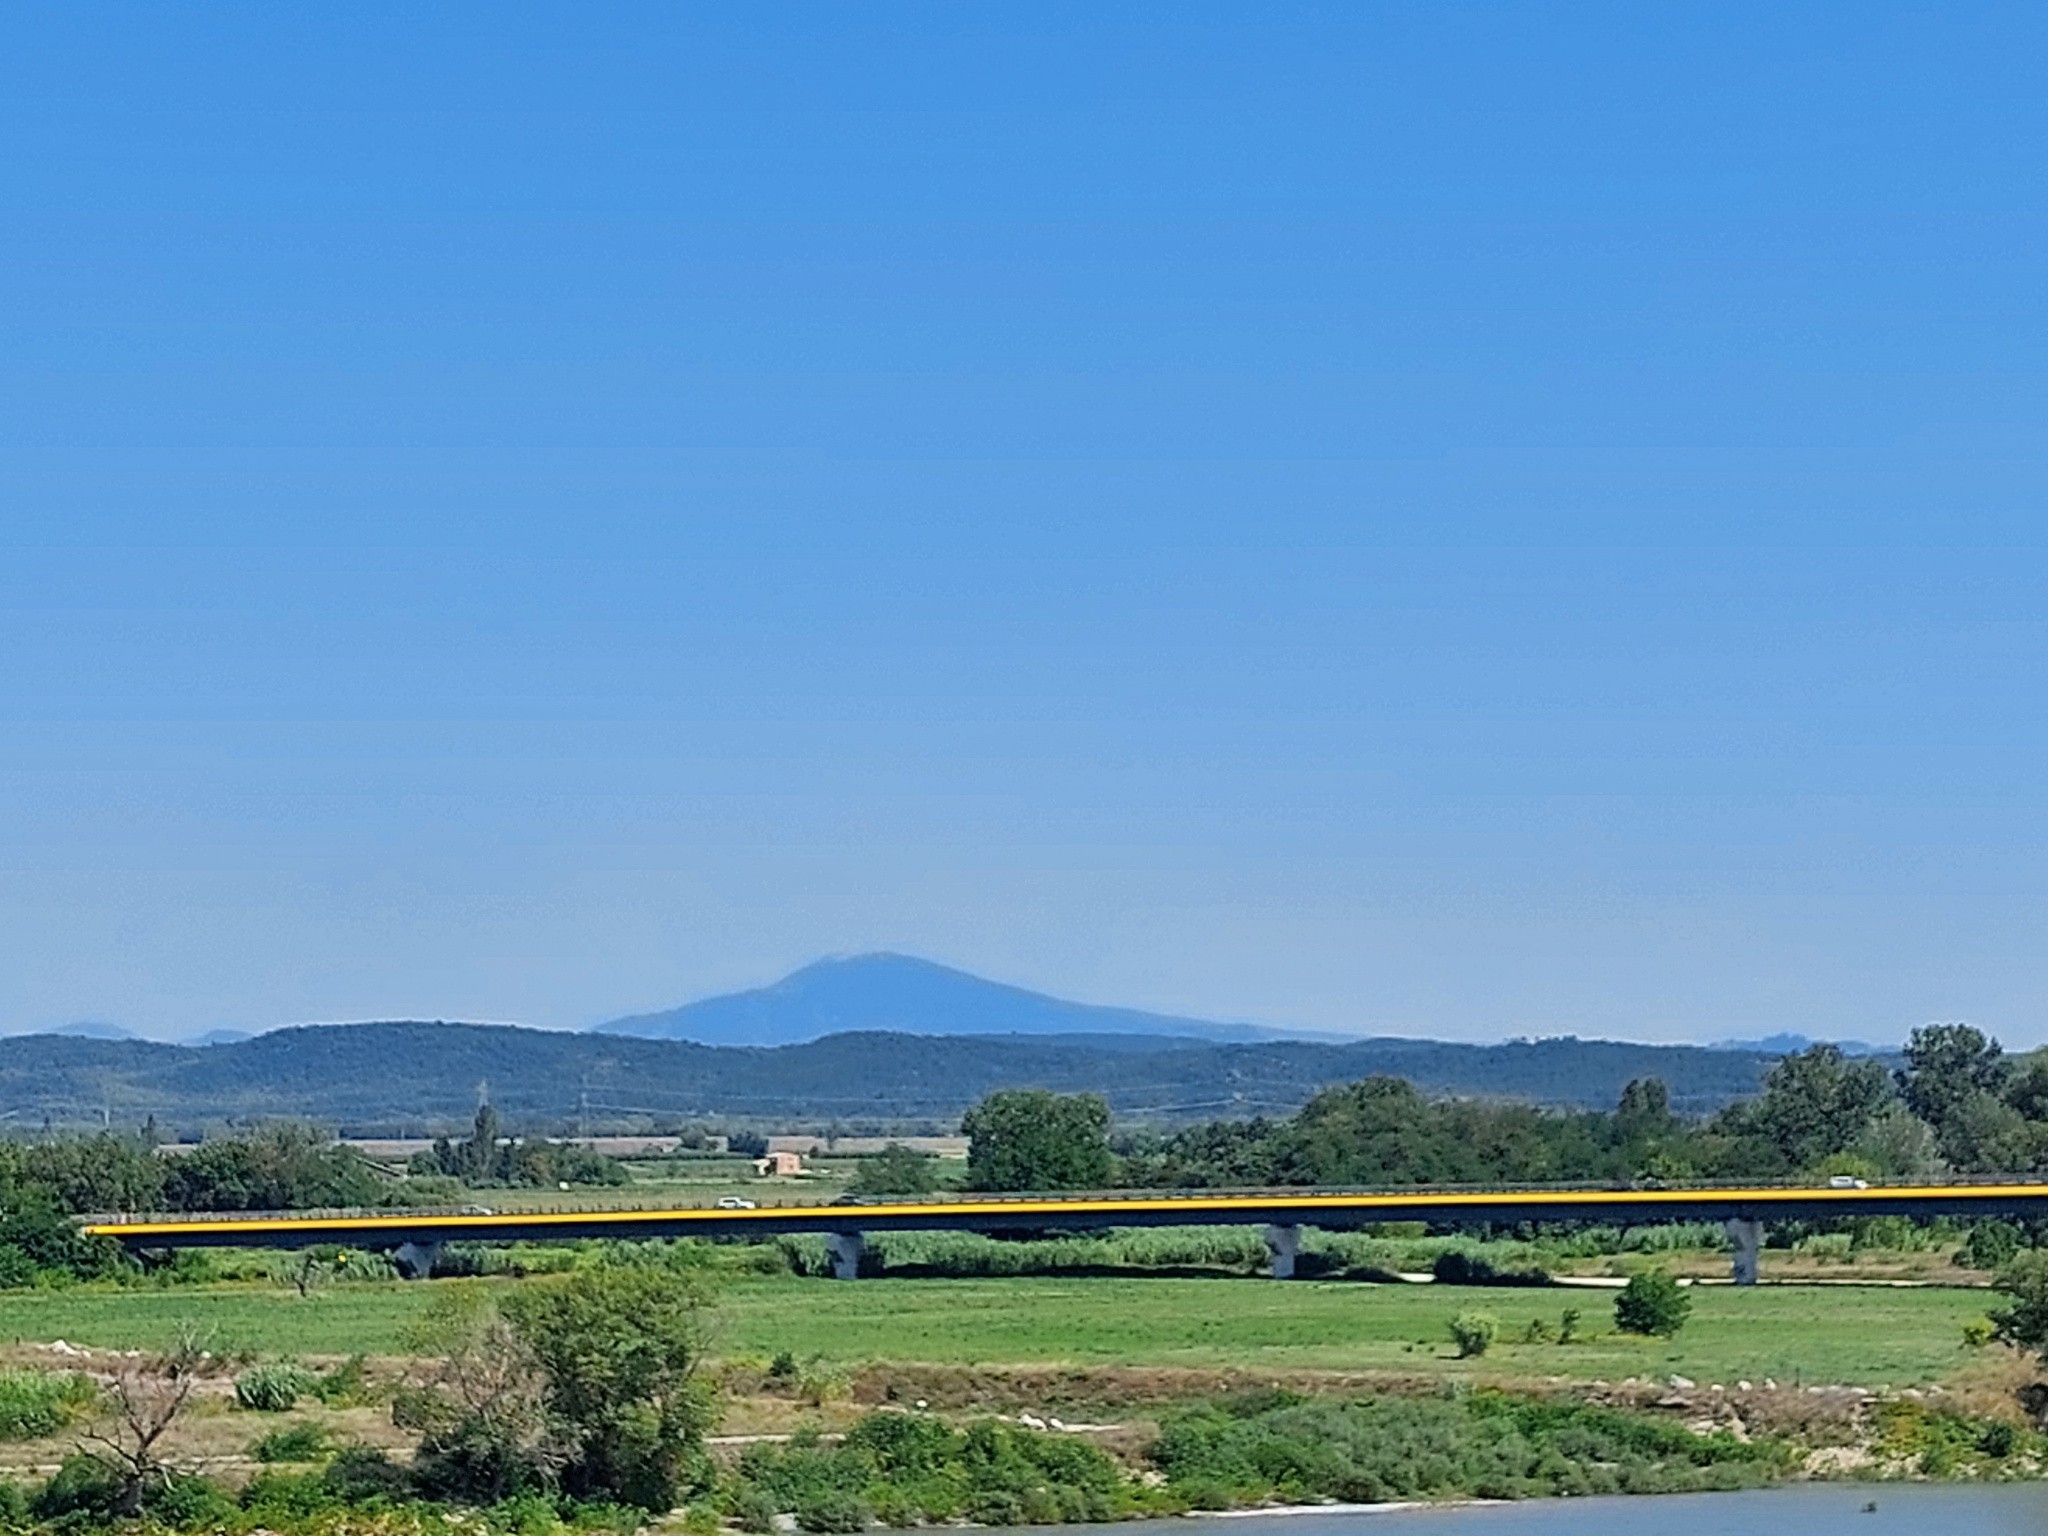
column 487, row 1156
column 1956, row 1104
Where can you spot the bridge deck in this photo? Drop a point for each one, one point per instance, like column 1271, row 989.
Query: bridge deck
column 1321, row 1208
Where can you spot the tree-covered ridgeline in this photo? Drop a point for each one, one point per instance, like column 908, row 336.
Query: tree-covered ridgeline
column 1957, row 1105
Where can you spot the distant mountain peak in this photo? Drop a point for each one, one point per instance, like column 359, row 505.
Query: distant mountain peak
column 905, row 994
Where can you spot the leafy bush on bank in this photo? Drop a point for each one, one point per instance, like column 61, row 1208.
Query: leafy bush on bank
column 1483, row 1445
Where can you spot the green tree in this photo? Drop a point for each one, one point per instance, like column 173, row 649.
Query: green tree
column 1947, row 1067
column 2025, row 1280
column 1816, row 1103
column 1644, row 1111
column 1029, row 1139
column 1652, row 1303
column 617, row 1348
column 895, row 1170
column 279, row 1168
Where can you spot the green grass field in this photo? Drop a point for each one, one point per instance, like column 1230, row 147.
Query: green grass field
column 1860, row 1335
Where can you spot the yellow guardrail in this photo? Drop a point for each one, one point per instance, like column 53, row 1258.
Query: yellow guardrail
column 1251, row 1205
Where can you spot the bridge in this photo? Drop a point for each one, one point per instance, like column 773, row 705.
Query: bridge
column 412, row 1238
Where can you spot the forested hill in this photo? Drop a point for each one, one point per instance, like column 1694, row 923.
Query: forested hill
column 411, row 1077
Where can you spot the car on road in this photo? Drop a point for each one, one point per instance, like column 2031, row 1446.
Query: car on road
column 1847, row 1181
column 735, row 1203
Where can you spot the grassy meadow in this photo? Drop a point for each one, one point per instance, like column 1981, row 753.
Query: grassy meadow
column 1810, row 1334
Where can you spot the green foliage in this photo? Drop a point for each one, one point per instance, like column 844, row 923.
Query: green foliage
column 185, row 1502
column 36, row 1404
column 1460, row 1266
column 617, row 1348
column 76, row 1174
column 1474, row 1333
column 1652, row 1303
column 345, row 1385
column 833, row 1512
column 279, row 1168
column 488, row 1157
column 1816, row 1103
column 274, row 1386
column 904, row 1469
column 895, row 1170
column 2025, row 1280
column 82, row 1485
column 1029, row 1139
column 1568, row 1325
column 1991, row 1245
column 360, row 1473
column 1481, row 1444
column 1979, row 1331
column 40, row 1244
column 296, row 1442
column 1945, row 1442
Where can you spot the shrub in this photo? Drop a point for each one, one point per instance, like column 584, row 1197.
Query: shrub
column 344, row 1386
column 83, row 1485
column 1990, row 1245
column 1998, row 1440
column 284, row 1498
column 275, row 1387
column 833, row 1514
column 186, row 1501
column 299, row 1442
column 1652, row 1303
column 361, row 1473
column 34, row 1404
column 1474, row 1333
column 752, row 1510
column 1568, row 1325
column 1455, row 1266
column 1979, row 1331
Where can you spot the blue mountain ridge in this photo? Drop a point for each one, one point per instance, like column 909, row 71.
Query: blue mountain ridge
column 908, row 995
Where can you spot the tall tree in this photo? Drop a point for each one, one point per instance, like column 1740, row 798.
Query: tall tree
column 1816, row 1102
column 1027, row 1138
column 1955, row 1078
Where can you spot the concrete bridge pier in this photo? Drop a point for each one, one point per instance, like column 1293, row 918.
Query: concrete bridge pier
column 1284, row 1244
column 415, row 1261
column 847, row 1249
column 1747, row 1234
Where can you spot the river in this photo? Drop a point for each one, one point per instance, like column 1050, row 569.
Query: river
column 1809, row 1509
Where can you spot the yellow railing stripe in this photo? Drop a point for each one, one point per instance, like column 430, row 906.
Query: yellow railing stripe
column 1192, row 1205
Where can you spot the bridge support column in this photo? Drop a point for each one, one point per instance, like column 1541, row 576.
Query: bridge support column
column 1284, row 1245
column 1747, row 1234
column 415, row 1261
column 847, row 1249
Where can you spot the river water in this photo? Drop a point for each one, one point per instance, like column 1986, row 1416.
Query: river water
column 1812, row 1509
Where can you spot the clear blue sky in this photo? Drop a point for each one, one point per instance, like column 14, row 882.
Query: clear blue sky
column 1464, row 520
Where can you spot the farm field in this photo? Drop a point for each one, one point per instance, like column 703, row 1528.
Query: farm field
column 1793, row 1334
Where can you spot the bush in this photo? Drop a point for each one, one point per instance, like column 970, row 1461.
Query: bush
column 1474, row 1333
column 83, row 1485
column 186, row 1501
column 34, row 1404
column 1484, row 1444
column 299, row 1442
column 275, row 1387
column 1990, row 1245
column 361, row 1473
column 345, row 1386
column 1979, row 1331
column 832, row 1514
column 1455, row 1266
column 1652, row 1303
